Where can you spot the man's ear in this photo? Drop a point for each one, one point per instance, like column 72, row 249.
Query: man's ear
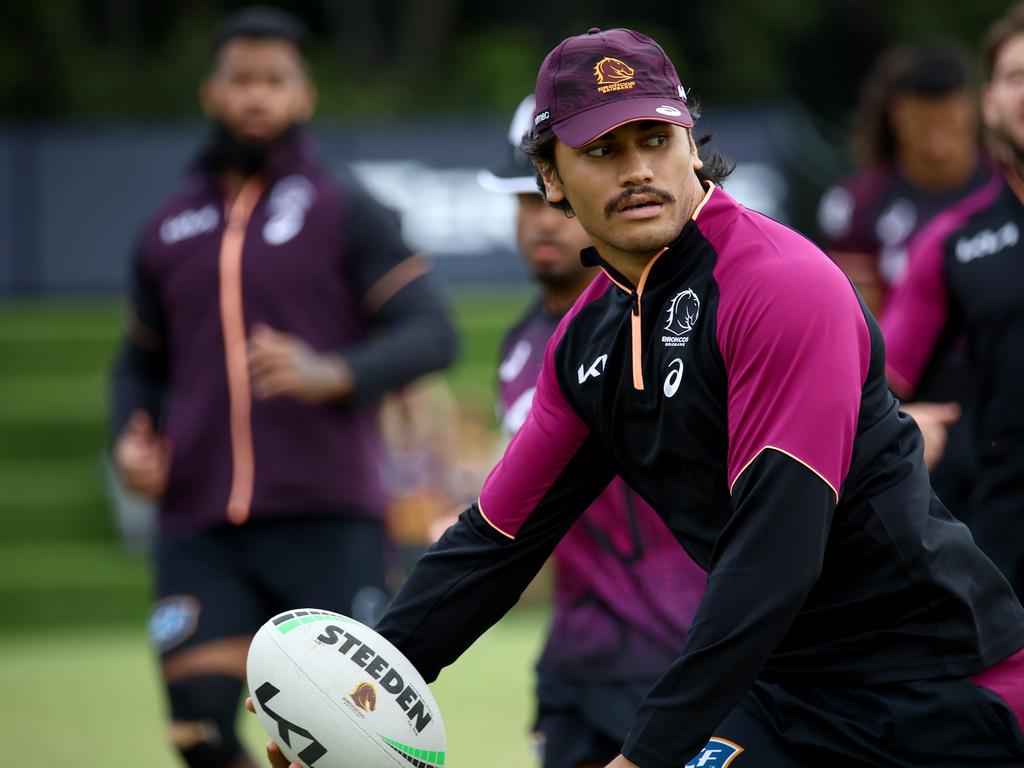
column 552, row 183
column 694, row 154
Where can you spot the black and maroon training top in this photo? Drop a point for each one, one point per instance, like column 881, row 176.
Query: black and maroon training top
column 740, row 389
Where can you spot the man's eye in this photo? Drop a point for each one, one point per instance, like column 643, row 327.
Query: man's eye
column 600, row 151
column 657, row 141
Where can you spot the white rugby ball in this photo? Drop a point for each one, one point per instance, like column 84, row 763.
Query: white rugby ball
column 335, row 694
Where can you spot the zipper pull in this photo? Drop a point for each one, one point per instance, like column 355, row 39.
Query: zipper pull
column 634, row 300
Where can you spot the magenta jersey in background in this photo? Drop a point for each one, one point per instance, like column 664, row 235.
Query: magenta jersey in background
column 878, row 212
column 625, row 591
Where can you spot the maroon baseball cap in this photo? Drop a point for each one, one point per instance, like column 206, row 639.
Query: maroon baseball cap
column 592, row 83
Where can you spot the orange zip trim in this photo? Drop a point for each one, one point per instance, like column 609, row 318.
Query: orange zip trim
column 636, row 325
column 236, row 355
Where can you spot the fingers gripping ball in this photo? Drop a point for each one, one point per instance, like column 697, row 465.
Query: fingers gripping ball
column 333, row 693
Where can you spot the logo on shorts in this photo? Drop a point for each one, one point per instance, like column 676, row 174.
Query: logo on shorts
column 613, row 75
column 718, row 753
column 173, row 621
column 365, row 697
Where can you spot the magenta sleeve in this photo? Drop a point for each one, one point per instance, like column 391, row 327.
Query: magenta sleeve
column 543, row 447
column 916, row 310
column 796, row 348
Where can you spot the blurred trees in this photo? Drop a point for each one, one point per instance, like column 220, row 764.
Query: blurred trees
column 126, row 58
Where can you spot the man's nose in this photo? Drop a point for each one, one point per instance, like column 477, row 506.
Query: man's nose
column 635, row 168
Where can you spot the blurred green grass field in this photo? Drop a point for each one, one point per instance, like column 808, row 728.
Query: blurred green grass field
column 57, row 560
column 87, row 697
column 78, row 680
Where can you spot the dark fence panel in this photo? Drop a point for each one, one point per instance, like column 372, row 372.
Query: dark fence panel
column 73, row 198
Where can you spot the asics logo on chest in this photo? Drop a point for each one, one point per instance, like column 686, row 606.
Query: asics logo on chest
column 675, row 376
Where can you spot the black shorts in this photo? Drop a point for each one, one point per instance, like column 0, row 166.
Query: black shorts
column 584, row 722
column 226, row 582
column 935, row 723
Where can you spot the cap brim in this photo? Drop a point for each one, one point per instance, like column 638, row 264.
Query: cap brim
column 583, row 127
column 507, row 185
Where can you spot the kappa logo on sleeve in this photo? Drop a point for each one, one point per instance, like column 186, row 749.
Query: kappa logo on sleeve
column 718, row 753
column 596, row 369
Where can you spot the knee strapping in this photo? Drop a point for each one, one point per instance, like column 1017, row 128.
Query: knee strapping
column 203, row 713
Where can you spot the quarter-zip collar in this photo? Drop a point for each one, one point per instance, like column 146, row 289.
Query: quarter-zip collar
column 591, row 258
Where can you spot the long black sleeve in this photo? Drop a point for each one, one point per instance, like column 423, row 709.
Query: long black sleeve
column 765, row 563
column 139, row 376
column 472, row 576
column 412, row 331
column 415, row 337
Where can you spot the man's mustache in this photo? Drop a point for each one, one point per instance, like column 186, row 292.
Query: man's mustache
column 622, row 199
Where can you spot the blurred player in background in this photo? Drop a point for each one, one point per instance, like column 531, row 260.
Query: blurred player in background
column 917, row 140
column 625, row 592
column 271, row 306
column 966, row 274
column 420, row 427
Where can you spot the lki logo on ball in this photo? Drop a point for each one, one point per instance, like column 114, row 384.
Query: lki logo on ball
column 718, row 753
column 286, row 729
column 613, row 75
column 364, row 697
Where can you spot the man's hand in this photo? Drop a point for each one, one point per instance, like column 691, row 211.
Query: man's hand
column 934, row 421
column 621, row 762
column 281, row 364
column 142, row 457
column 277, row 760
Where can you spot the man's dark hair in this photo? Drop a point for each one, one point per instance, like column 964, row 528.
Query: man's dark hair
column 1010, row 25
column 261, row 22
column 930, row 71
column 540, row 148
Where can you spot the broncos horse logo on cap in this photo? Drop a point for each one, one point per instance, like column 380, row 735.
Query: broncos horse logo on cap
column 613, row 75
